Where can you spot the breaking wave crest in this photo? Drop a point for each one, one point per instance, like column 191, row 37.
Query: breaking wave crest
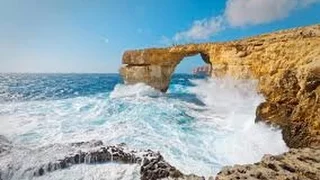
column 135, row 90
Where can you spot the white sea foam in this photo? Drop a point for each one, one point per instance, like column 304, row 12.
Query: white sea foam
column 109, row 171
column 135, row 90
column 195, row 138
column 231, row 107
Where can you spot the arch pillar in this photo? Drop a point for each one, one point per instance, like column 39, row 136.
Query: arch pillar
column 156, row 76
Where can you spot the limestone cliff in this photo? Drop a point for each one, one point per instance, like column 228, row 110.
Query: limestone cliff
column 286, row 63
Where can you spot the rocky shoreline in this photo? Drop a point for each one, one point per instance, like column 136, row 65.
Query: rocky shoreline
column 152, row 164
column 287, row 66
column 296, row 164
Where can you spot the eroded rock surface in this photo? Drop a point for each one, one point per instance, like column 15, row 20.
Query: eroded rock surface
column 155, row 167
column 103, row 154
column 285, row 63
column 297, row 164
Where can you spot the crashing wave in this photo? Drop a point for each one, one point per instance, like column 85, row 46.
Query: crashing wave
column 135, row 90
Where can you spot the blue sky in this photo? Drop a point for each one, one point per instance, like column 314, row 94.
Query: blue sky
column 91, row 35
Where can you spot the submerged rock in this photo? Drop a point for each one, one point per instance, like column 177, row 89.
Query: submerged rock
column 296, row 164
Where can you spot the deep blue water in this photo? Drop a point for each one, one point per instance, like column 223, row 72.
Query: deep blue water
column 26, row 87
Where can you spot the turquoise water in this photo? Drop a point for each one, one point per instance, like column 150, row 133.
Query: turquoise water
column 199, row 125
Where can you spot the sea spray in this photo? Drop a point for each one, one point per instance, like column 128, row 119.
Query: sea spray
column 231, row 107
column 199, row 126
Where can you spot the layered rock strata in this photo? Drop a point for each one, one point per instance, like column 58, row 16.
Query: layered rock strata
column 285, row 63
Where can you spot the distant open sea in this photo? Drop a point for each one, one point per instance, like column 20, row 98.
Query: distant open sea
column 200, row 125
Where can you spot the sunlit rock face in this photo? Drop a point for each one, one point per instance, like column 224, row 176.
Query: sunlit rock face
column 286, row 63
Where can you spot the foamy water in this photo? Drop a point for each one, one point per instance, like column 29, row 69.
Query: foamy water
column 198, row 129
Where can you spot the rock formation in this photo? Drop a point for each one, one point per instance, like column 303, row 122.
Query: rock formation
column 285, row 63
column 202, row 70
column 296, row 164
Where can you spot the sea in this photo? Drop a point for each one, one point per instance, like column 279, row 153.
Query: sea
column 199, row 125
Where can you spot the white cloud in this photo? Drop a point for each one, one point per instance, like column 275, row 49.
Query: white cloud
column 252, row 12
column 201, row 29
column 239, row 13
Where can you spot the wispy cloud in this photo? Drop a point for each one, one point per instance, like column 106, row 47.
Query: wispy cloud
column 239, row 13
column 166, row 41
column 201, row 29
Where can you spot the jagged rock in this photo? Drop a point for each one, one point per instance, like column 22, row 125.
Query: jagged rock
column 155, row 167
column 296, row 164
column 285, row 63
column 97, row 153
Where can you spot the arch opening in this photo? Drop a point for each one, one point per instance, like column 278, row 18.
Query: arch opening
column 193, row 65
column 190, row 67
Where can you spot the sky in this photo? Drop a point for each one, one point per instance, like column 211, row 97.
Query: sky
column 90, row 36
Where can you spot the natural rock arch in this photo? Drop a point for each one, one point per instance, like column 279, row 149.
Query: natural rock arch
column 155, row 67
column 285, row 63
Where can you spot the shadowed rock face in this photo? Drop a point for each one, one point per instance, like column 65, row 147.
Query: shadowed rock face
column 285, row 63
